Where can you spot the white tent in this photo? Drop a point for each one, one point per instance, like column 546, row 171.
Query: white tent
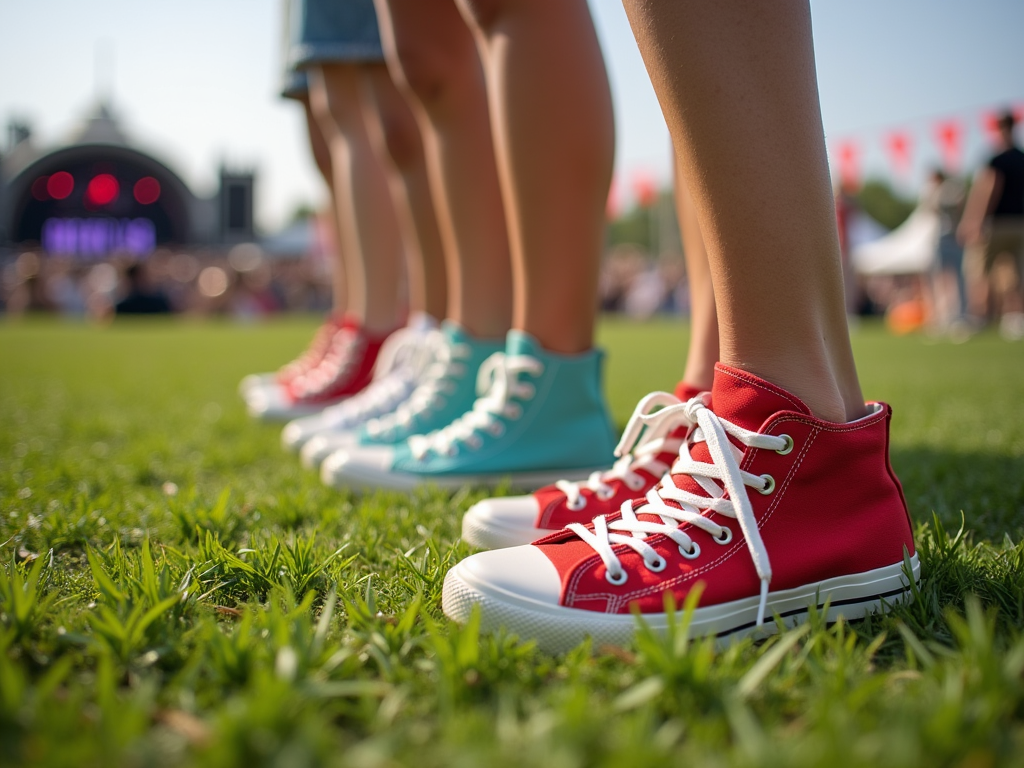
column 907, row 250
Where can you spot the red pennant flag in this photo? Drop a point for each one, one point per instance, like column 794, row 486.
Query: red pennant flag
column 898, row 144
column 949, row 134
column 645, row 189
column 848, row 160
column 990, row 121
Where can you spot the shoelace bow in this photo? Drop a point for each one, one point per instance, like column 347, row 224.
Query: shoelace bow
column 730, row 500
column 497, row 384
column 638, row 450
column 401, row 357
column 445, row 363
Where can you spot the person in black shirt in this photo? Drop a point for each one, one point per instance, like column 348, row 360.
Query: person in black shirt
column 142, row 299
column 993, row 225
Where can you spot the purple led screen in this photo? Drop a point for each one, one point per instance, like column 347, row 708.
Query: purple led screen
column 98, row 236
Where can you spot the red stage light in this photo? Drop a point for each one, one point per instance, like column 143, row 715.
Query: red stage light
column 39, row 188
column 60, row 185
column 102, row 190
column 147, row 190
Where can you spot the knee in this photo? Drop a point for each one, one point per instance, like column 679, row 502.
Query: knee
column 401, row 140
column 333, row 99
column 483, row 15
column 426, row 72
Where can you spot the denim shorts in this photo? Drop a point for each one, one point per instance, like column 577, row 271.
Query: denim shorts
column 323, row 31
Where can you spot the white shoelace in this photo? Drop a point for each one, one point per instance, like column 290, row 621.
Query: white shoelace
column 724, row 468
column 497, row 383
column 447, row 364
column 346, row 350
column 403, row 357
column 637, row 452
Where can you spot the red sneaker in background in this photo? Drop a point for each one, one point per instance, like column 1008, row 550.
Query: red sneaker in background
column 345, row 369
column 769, row 509
column 315, row 352
column 645, row 458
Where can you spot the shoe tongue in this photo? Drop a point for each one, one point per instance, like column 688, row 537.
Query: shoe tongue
column 521, row 343
column 454, row 332
column 745, row 400
column 686, row 392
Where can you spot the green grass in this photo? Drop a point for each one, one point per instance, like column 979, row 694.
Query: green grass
column 177, row 591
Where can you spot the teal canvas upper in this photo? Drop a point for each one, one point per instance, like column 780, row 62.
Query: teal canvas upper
column 447, row 392
column 543, row 411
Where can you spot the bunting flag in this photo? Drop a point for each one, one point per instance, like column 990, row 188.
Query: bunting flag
column 898, row 144
column 645, row 189
column 848, row 158
column 990, row 122
column 949, row 135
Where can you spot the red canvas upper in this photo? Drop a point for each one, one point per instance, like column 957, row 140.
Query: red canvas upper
column 554, row 514
column 346, row 368
column 314, row 354
column 837, row 509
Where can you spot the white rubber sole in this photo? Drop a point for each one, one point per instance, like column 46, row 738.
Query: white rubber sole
column 283, row 411
column 558, row 629
column 371, row 479
column 491, row 534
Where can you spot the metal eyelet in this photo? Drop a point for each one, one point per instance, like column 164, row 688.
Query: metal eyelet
column 616, row 580
column 657, row 566
column 692, row 553
column 636, row 485
column 604, row 495
column 528, row 390
column 789, row 445
column 725, row 537
column 769, row 485
column 577, row 505
column 498, row 429
column 451, row 452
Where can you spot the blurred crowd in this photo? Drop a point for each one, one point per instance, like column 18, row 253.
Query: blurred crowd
column 242, row 283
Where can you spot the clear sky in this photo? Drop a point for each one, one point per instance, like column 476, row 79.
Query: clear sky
column 195, row 81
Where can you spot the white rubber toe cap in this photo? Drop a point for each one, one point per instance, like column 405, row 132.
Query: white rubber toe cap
column 502, row 522
column 320, row 446
column 364, row 467
column 256, row 381
column 515, row 574
column 298, row 432
column 272, row 404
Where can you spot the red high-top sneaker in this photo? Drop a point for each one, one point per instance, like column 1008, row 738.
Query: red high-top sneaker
column 315, row 352
column 345, row 370
column 770, row 509
column 512, row 520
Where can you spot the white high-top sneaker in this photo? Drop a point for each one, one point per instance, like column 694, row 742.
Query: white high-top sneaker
column 400, row 366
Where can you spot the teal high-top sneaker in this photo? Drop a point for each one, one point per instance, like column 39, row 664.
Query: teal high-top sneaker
column 447, row 391
column 541, row 417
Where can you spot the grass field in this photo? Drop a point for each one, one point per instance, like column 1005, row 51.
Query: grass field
column 177, row 591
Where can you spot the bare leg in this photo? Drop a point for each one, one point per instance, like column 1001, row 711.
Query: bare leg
column 434, row 62
column 703, row 352
column 370, row 245
column 737, row 84
column 552, row 119
column 396, row 139
column 322, row 158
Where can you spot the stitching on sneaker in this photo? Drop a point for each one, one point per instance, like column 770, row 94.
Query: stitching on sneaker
column 754, row 382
